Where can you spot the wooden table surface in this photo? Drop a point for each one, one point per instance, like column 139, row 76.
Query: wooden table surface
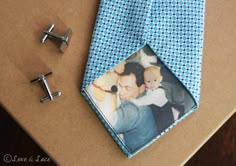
column 218, row 150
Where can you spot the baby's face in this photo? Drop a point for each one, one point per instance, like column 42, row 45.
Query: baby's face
column 151, row 80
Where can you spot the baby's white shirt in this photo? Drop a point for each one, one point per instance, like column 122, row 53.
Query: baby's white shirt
column 156, row 97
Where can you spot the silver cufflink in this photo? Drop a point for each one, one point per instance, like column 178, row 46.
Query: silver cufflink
column 63, row 39
column 50, row 96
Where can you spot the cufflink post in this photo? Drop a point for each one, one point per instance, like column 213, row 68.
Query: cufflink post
column 63, row 39
column 50, row 96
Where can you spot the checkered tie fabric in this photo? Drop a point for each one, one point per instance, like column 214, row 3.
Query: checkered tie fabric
column 173, row 29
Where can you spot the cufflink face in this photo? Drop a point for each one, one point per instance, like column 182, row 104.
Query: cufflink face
column 140, row 99
column 64, row 40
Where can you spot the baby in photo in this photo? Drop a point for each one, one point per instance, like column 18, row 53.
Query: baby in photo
column 155, row 94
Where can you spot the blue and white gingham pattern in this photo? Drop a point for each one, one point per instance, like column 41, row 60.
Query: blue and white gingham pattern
column 172, row 28
column 176, row 36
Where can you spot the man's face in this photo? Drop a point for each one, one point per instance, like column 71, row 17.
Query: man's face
column 128, row 87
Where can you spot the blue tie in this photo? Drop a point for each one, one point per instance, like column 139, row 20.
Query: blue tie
column 173, row 29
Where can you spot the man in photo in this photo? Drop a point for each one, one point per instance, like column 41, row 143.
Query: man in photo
column 137, row 124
